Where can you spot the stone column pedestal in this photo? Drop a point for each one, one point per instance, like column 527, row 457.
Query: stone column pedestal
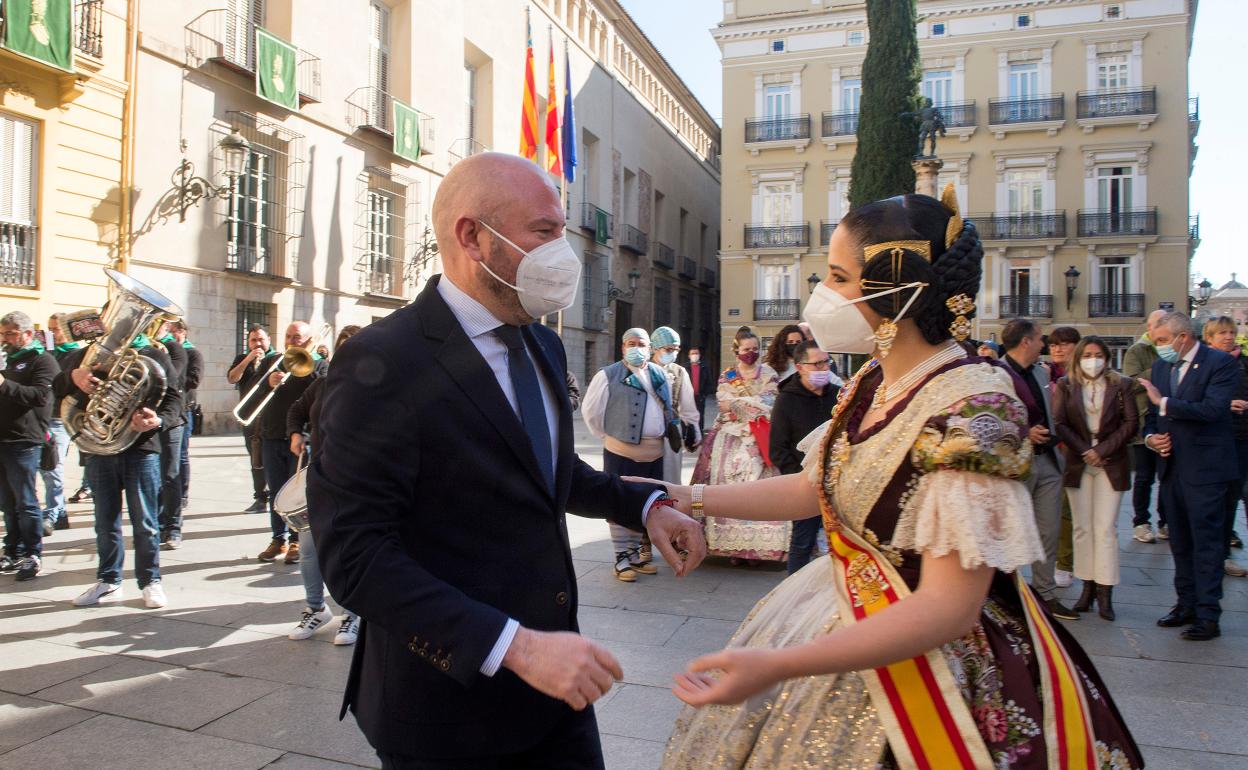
column 925, row 172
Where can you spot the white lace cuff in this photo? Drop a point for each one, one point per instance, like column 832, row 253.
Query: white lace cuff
column 988, row 520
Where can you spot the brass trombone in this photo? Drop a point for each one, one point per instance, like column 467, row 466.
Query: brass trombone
column 293, row 362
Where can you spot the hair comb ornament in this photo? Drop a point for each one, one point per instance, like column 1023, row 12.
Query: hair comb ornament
column 923, row 248
column 961, row 305
column 949, row 197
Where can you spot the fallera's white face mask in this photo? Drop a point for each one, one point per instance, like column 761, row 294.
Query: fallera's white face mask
column 839, row 327
column 546, row 278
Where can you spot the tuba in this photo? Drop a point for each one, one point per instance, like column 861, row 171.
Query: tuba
column 132, row 382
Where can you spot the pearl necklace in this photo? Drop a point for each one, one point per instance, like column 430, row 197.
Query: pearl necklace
column 951, row 352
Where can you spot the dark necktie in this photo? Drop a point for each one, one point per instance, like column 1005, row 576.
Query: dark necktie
column 529, row 397
column 1174, row 377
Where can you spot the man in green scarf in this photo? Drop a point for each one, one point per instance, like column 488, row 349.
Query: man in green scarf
column 1137, row 363
column 54, row 514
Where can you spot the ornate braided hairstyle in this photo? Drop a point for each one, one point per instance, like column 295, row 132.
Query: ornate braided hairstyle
column 908, row 226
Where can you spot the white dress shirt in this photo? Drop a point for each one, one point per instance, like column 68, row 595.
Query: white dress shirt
column 479, row 324
column 1185, row 365
column 594, row 404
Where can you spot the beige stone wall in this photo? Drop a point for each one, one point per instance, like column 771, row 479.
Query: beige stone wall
column 977, row 44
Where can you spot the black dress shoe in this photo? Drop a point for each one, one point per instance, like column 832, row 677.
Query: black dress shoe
column 1202, row 631
column 1178, row 616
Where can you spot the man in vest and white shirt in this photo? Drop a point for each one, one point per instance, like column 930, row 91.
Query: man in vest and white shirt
column 629, row 406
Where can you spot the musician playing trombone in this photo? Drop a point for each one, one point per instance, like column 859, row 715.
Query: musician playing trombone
column 279, row 464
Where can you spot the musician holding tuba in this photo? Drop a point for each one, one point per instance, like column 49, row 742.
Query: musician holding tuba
column 118, row 393
column 268, row 405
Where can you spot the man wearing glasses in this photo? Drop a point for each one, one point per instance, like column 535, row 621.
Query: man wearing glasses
column 805, row 402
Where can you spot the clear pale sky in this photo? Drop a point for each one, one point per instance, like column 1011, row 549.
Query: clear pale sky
column 680, row 29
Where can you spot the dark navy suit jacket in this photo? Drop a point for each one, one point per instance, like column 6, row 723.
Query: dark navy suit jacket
column 1198, row 419
column 433, row 522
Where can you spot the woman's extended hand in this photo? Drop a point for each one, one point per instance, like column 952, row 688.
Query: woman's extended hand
column 742, row 673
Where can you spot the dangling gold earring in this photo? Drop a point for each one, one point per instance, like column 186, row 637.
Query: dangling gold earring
column 885, row 333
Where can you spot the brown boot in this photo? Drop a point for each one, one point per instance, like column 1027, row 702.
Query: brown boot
column 1105, row 601
column 1085, row 599
column 276, row 548
column 292, row 553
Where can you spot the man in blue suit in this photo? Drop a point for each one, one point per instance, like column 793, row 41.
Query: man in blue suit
column 1189, row 425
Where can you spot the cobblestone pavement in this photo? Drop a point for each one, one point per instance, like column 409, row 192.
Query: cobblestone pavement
column 211, row 681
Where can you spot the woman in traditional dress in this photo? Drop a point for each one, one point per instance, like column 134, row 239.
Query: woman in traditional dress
column 731, row 453
column 916, row 644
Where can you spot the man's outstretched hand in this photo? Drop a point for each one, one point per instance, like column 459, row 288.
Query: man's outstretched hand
column 679, row 538
column 563, row 665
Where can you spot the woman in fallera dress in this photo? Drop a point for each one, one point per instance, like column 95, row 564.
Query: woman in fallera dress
column 731, row 453
column 915, row 644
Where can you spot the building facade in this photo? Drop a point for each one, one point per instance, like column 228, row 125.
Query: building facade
column 352, row 117
column 62, row 203
column 1058, row 113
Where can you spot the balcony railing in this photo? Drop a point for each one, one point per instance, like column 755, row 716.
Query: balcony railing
column 777, row 129
column 795, row 234
column 1037, row 109
column 1094, row 223
column 840, row 123
column 709, row 277
column 688, row 268
column 825, row 232
column 590, row 216
column 1027, row 306
column 1193, row 109
column 1116, row 103
column 230, row 39
column 1007, row 227
column 462, row 148
column 88, row 27
column 17, row 255
column 634, row 240
column 1193, row 227
column 664, row 256
column 776, row 309
column 1115, row 305
column 958, row 114
column 370, row 107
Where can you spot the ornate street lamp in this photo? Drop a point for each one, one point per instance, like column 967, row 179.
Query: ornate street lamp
column 813, row 281
column 189, row 188
column 1072, row 283
column 614, row 292
column 1204, row 290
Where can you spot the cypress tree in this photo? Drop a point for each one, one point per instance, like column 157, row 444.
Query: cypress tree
column 890, row 83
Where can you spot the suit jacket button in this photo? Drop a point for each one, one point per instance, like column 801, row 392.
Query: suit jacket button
column 561, row 598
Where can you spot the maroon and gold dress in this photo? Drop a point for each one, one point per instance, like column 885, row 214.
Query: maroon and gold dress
column 940, row 474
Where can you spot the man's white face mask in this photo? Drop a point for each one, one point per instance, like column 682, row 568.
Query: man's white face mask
column 546, row 278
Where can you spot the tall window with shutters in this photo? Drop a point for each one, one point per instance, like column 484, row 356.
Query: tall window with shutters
column 240, row 31
column 18, row 181
column 379, row 64
column 253, row 216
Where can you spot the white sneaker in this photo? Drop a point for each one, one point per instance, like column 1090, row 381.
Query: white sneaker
column 348, row 632
column 1062, row 577
column 1163, row 532
column 1233, row 569
column 99, row 593
column 154, row 595
column 311, row 620
column 1144, row 533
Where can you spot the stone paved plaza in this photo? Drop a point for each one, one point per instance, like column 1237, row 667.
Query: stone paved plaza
column 212, row 682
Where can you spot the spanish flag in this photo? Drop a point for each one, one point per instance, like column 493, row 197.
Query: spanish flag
column 552, row 120
column 528, row 112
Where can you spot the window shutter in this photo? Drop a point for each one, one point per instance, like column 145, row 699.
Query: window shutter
column 17, row 160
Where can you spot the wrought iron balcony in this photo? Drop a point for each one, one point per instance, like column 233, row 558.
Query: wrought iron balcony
column 590, row 220
column 634, row 240
column 825, row 231
column 88, row 27
column 1193, row 227
column 1193, row 109
column 1095, row 223
column 708, row 277
column 229, row 38
column 776, row 309
column 1008, row 227
column 462, row 148
column 1115, row 305
column 792, row 235
column 1116, row 103
column 777, row 129
column 840, row 123
column 18, row 250
column 1037, row 109
column 1027, row 306
column 664, row 256
column 688, row 268
column 958, row 114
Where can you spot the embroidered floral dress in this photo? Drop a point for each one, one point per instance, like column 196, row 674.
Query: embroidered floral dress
column 939, row 474
column 730, row 455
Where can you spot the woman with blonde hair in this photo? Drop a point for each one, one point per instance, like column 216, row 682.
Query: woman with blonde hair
column 1220, row 334
column 1095, row 416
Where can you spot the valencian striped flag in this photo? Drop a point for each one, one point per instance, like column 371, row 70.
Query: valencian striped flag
column 569, row 121
column 552, row 118
column 528, row 111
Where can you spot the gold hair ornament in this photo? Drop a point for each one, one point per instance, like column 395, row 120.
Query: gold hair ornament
column 923, row 248
column 949, row 197
column 961, row 306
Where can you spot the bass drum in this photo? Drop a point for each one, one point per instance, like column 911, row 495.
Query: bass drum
column 291, row 501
